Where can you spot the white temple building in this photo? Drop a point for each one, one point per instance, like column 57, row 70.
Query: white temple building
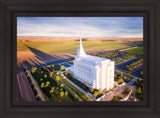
column 96, row 71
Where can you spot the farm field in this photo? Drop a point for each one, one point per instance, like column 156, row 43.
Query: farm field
column 31, row 52
column 68, row 46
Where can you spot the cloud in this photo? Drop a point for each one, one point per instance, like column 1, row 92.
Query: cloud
column 72, row 26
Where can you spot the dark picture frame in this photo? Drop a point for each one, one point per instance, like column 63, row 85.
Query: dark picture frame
column 9, row 10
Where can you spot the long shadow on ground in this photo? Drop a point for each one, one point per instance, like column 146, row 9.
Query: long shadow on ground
column 39, row 55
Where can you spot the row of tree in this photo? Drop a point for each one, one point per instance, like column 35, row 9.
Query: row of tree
column 133, row 65
column 107, row 54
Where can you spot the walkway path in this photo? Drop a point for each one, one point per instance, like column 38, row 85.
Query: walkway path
column 69, row 88
column 64, row 84
column 130, row 84
column 84, row 92
column 37, row 87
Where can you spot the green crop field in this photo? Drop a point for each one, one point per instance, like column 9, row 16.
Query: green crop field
column 136, row 51
column 67, row 46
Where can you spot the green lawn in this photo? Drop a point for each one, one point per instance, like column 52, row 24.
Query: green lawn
column 39, row 77
column 83, row 96
column 67, row 46
column 136, row 51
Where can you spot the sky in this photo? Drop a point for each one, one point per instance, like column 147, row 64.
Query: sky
column 125, row 27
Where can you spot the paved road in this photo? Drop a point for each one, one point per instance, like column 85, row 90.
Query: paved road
column 24, row 92
column 135, row 71
column 37, row 87
column 127, row 62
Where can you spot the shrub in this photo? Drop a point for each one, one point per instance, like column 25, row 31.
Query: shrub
column 85, row 83
column 99, row 91
column 126, row 91
column 91, row 89
column 71, row 62
column 120, row 81
column 115, row 98
column 95, row 94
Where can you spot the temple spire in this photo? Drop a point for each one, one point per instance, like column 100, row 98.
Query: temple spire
column 80, row 51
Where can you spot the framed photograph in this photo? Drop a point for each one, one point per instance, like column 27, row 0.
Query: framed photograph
column 104, row 62
column 76, row 59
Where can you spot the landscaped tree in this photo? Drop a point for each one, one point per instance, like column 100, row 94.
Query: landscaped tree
column 57, row 78
column 42, row 85
column 73, row 76
column 41, row 79
column 38, row 96
column 66, row 93
column 105, row 90
column 121, row 74
column 34, row 88
column 45, row 76
column 32, row 83
column 75, row 95
column 33, row 69
column 61, row 85
column 51, row 91
column 57, row 73
column 26, row 72
column 47, row 84
column 138, row 90
column 52, row 88
column 66, row 72
column 61, row 93
column 51, row 74
column 115, row 98
column 141, row 73
column 27, row 75
column 91, row 89
column 85, row 83
column 99, row 91
column 95, row 94
column 80, row 99
column 52, row 65
column 120, row 81
column 126, row 91
column 62, row 68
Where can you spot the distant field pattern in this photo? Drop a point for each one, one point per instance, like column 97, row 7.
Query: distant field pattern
column 68, row 46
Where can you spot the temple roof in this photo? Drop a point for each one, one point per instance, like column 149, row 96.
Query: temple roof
column 81, row 55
